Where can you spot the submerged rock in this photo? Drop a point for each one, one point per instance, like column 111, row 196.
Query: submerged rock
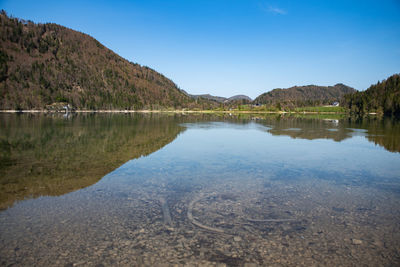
column 237, row 238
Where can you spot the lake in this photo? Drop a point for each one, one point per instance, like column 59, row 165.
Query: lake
column 187, row 189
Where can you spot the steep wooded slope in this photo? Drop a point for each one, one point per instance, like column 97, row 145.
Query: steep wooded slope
column 383, row 98
column 45, row 63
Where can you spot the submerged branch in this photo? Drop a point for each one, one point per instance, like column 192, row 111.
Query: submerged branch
column 197, row 223
column 270, row 220
column 166, row 213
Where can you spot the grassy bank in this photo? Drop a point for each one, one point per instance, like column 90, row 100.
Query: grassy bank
column 321, row 109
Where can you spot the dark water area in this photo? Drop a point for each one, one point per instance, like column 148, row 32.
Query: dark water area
column 198, row 189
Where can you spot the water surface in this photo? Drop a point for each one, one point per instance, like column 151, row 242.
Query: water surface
column 199, row 189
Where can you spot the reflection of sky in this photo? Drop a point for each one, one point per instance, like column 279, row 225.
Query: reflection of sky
column 208, row 150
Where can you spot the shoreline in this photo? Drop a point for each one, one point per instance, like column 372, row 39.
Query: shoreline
column 176, row 111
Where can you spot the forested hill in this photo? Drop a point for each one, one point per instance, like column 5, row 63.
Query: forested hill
column 219, row 99
column 45, row 63
column 382, row 98
column 309, row 95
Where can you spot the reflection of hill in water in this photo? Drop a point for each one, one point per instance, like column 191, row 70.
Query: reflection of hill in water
column 308, row 128
column 383, row 132
column 49, row 155
column 43, row 155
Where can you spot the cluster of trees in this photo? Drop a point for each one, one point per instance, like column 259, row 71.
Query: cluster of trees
column 382, row 98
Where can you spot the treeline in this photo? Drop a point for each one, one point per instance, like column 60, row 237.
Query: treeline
column 382, row 98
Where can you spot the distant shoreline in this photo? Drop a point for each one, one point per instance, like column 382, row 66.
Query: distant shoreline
column 174, row 111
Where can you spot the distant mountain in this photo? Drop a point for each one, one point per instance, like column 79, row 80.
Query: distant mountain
column 240, row 97
column 45, row 63
column 218, row 99
column 382, row 98
column 305, row 95
column 225, row 100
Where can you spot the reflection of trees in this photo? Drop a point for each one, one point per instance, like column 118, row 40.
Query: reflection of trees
column 384, row 132
column 42, row 155
column 45, row 155
column 308, row 128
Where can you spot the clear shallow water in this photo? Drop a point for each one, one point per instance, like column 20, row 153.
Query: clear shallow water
column 211, row 190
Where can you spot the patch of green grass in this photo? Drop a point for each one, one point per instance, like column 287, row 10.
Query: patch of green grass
column 321, row 109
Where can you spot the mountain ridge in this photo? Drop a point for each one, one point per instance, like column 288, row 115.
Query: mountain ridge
column 222, row 99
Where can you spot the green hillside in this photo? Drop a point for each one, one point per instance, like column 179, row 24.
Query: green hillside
column 300, row 96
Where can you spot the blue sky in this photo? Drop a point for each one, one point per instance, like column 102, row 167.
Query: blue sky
column 234, row 47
